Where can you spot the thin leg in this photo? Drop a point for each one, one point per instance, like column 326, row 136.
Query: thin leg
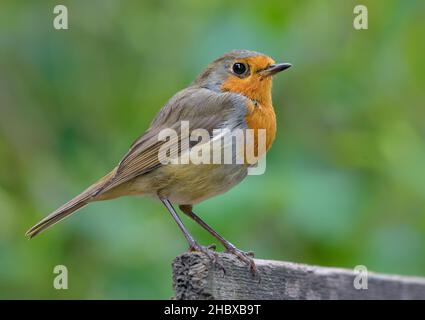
column 193, row 245
column 246, row 257
column 179, row 222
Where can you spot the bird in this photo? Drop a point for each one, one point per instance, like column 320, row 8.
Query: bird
column 233, row 92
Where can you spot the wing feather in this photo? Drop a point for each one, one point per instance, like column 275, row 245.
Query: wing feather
column 203, row 108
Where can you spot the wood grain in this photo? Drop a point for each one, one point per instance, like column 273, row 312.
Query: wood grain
column 196, row 277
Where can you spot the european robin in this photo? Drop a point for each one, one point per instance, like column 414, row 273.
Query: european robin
column 234, row 91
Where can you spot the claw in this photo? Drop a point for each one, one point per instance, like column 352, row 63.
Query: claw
column 208, row 251
column 245, row 257
column 250, row 254
column 212, row 247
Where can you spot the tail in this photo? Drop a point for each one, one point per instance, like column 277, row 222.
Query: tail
column 70, row 207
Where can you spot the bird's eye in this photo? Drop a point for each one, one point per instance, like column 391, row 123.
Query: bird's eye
column 239, row 68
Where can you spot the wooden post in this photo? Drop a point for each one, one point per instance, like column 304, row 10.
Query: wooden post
column 196, row 277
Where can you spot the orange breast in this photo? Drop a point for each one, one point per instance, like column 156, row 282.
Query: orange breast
column 262, row 117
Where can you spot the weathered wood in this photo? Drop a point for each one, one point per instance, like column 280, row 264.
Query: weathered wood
column 196, row 277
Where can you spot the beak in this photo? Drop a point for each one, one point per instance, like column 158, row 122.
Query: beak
column 275, row 68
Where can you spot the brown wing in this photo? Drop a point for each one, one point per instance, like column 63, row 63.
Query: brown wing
column 203, row 108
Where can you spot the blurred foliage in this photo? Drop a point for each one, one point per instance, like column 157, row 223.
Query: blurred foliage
column 345, row 179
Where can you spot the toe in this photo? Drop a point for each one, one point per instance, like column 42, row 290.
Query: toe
column 247, row 258
column 212, row 247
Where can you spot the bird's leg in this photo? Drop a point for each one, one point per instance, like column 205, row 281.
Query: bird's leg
column 193, row 245
column 246, row 257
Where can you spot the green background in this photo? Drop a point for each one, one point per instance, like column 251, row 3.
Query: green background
column 345, row 179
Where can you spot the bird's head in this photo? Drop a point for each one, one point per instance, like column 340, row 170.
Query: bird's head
column 241, row 71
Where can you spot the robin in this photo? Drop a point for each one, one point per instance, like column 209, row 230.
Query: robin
column 234, row 91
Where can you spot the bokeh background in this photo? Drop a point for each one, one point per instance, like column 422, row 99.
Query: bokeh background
column 345, row 179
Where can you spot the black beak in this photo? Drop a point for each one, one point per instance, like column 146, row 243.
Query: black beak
column 275, row 68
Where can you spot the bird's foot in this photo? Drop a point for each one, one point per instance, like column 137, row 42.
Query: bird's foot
column 245, row 257
column 209, row 251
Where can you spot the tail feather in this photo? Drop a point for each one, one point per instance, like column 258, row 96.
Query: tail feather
column 69, row 208
column 52, row 219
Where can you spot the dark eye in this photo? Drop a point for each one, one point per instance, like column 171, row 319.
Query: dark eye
column 239, row 68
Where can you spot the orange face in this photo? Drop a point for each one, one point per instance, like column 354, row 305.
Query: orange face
column 253, row 83
column 256, row 84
